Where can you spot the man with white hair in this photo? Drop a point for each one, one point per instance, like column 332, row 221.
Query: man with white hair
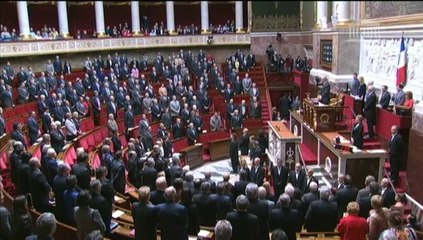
column 311, row 196
column 257, row 172
column 57, row 137
column 262, row 193
column 260, row 208
column 51, row 165
column 223, row 230
column 370, row 110
column 172, row 217
column 45, row 227
column 322, row 215
column 157, row 196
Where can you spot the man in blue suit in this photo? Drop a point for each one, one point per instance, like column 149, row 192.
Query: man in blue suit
column 385, row 97
column 33, row 128
column 399, row 98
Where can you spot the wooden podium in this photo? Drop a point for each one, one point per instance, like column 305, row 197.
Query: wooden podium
column 193, row 155
column 320, row 117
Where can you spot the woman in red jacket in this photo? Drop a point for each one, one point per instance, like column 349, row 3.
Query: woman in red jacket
column 353, row 227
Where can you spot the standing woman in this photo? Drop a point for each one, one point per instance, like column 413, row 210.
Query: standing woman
column 21, row 220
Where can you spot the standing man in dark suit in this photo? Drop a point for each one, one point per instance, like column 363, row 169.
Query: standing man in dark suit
column 357, row 132
column 396, row 153
column 118, row 173
column 297, row 177
column 142, row 213
column 279, row 177
column 129, row 121
column 244, row 143
column 192, row 135
column 233, row 153
column 387, row 193
column 149, row 174
column 239, row 186
column 17, row 133
column 385, row 97
column 171, row 217
column 257, row 172
column 82, row 171
column 244, row 224
column 355, row 85
column 345, row 195
column 325, row 91
column 309, row 180
column 33, row 128
column 59, row 187
column 285, row 218
column 370, row 111
column 39, row 187
column 322, row 215
column 101, row 204
column 178, row 129
column 260, row 208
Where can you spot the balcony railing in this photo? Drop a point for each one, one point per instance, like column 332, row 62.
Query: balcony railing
column 29, row 48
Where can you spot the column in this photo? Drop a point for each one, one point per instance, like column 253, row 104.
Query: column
column 322, row 14
column 249, row 15
column 135, row 18
column 99, row 18
column 62, row 13
column 239, row 17
column 23, row 19
column 204, row 16
column 170, row 17
column 341, row 9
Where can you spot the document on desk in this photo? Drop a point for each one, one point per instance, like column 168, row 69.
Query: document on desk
column 376, row 151
column 117, row 213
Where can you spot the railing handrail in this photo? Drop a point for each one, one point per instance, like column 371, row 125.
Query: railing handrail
column 417, row 204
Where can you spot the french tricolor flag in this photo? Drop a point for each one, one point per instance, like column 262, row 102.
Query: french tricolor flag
column 402, row 67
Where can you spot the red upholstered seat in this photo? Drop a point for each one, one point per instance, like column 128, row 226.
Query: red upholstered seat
column 204, row 138
column 83, row 143
column 20, row 110
column 120, row 114
column 37, row 153
column 104, row 132
column 9, row 113
column 96, row 161
column 3, row 161
column 123, row 140
column 89, row 124
column 91, row 141
column 180, row 144
column 121, row 127
column 69, row 160
column 97, row 136
column 72, row 153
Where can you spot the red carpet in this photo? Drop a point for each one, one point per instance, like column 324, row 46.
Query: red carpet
column 309, row 157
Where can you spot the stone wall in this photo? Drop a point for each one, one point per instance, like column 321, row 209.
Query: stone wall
column 291, row 43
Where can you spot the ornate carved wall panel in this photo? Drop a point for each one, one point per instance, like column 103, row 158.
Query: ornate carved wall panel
column 382, row 9
column 276, row 16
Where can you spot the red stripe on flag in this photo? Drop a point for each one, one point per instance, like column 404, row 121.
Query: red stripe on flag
column 401, row 75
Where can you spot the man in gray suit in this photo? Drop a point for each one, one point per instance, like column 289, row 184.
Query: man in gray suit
column 247, row 83
column 399, row 98
column 175, row 107
column 215, row 122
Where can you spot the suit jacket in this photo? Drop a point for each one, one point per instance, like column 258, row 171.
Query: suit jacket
column 244, row 144
column 318, row 210
column 257, row 176
column 357, row 135
column 236, row 121
column 260, row 208
column 362, row 91
column 388, row 197
column 18, row 136
column 399, row 98
column 177, row 131
column 280, row 179
column 33, row 129
column 7, row 99
column 244, row 225
column 233, row 151
column 2, row 126
column 222, row 205
column 129, row 119
column 384, row 100
column 192, row 136
column 144, row 222
column 396, row 147
column 57, row 140
column 99, row 203
column 325, row 93
column 370, row 107
column 307, row 199
column 83, row 175
column 343, row 197
column 117, row 144
column 59, row 187
column 157, row 197
column 307, row 185
column 39, row 188
column 87, row 220
column 206, row 209
column 172, row 219
column 118, row 176
column 299, row 182
column 286, row 219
